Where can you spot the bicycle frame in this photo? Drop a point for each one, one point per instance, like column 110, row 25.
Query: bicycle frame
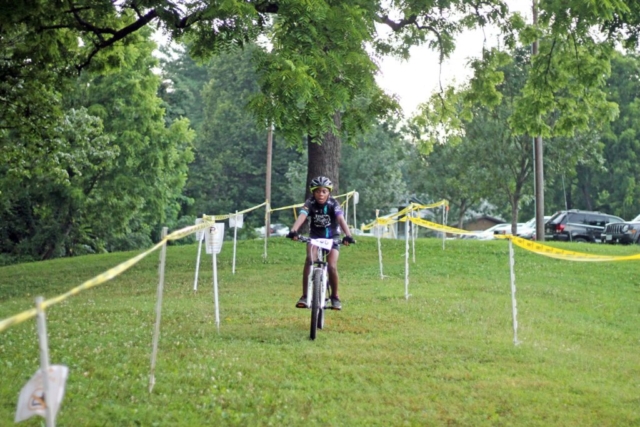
column 320, row 263
column 318, row 277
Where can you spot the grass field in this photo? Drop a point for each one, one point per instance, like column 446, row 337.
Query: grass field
column 444, row 357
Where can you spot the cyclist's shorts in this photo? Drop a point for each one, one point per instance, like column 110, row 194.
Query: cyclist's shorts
column 336, row 243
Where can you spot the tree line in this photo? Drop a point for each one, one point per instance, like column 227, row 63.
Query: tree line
column 98, row 150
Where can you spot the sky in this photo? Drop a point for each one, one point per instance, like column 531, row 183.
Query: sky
column 414, row 80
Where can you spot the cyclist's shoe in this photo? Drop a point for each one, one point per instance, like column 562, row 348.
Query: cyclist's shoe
column 336, row 304
column 302, row 302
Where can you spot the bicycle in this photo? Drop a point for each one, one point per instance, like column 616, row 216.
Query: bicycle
column 318, row 289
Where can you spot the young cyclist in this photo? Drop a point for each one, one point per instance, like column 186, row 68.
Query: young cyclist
column 325, row 215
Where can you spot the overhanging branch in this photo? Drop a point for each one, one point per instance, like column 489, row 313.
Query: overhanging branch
column 119, row 35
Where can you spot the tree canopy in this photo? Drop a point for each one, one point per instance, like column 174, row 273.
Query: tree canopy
column 107, row 167
column 319, row 64
column 231, row 148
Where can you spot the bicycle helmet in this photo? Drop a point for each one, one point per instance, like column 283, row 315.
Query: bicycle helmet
column 320, row 181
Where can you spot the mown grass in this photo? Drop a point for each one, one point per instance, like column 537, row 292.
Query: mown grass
column 444, row 357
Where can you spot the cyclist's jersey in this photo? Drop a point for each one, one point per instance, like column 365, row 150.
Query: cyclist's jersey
column 322, row 218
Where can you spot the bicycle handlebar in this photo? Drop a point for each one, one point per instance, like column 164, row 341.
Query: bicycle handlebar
column 305, row 239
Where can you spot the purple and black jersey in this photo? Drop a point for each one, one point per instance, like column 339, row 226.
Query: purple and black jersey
column 322, row 218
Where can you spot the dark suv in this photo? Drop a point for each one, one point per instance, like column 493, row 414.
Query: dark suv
column 578, row 226
column 622, row 232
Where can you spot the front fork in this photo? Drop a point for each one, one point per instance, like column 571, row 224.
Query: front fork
column 310, row 286
column 323, row 291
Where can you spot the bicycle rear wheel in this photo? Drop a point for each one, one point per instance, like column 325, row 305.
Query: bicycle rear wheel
column 315, row 302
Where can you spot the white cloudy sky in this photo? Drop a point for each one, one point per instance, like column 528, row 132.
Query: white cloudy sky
column 413, row 81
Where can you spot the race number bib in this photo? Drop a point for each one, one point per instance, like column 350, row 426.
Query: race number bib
column 323, row 243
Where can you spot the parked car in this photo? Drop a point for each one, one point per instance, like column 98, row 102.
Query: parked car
column 622, row 232
column 578, row 226
column 277, row 230
column 489, row 233
column 528, row 230
column 472, row 235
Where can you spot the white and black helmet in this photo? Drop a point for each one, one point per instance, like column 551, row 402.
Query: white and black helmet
column 320, row 181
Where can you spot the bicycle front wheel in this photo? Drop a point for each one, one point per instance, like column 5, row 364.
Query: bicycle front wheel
column 323, row 307
column 316, row 304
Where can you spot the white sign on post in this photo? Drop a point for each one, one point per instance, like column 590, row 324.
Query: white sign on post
column 32, row 400
column 214, row 237
column 356, row 198
column 236, row 221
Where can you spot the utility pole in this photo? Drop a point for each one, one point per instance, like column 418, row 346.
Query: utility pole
column 267, row 225
column 538, row 168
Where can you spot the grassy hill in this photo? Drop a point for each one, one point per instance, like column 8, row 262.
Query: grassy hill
column 444, row 357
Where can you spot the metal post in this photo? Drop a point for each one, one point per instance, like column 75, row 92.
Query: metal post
column 444, row 234
column 215, row 290
column 355, row 202
column 44, row 362
column 156, row 330
column 414, row 233
column 377, row 228
column 266, row 228
column 564, row 191
column 346, row 210
column 267, row 225
column 235, row 237
column 514, row 309
column 406, row 259
column 195, row 281
column 538, row 163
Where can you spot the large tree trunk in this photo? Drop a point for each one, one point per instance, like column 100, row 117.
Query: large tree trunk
column 514, row 214
column 462, row 211
column 324, row 158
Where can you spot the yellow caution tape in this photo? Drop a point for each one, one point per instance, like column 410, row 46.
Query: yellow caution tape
column 438, row 227
column 443, row 202
column 214, row 218
column 184, row 232
column 103, row 277
column 299, row 205
column 381, row 222
column 99, row 279
column 120, row 268
column 411, row 208
column 350, row 193
column 253, row 208
column 227, row 216
column 386, row 221
column 346, row 201
column 552, row 252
